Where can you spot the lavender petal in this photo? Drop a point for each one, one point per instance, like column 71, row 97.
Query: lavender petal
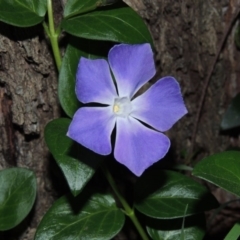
column 161, row 105
column 132, row 66
column 92, row 128
column 138, row 147
column 94, row 82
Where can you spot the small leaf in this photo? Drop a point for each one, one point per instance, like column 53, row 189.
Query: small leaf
column 221, row 169
column 165, row 195
column 23, row 13
column 77, row 48
column 76, row 7
column 17, row 196
column 237, row 36
column 117, row 25
column 231, row 118
column 84, row 217
column 194, row 228
column 77, row 163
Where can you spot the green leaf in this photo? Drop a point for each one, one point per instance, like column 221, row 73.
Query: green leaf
column 234, row 232
column 17, row 196
column 117, row 25
column 84, row 217
column 165, row 195
column 22, row 13
column 194, row 228
column 77, row 48
column 77, row 163
column 221, row 169
column 76, row 7
column 231, row 118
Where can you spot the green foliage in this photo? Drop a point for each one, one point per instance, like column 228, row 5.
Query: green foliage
column 76, row 7
column 77, row 163
column 66, row 83
column 84, row 217
column 194, row 228
column 114, row 24
column 22, row 13
column 221, row 169
column 165, row 195
column 231, row 118
column 17, row 196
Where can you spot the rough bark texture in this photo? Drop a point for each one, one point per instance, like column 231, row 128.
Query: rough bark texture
column 28, row 100
column 186, row 35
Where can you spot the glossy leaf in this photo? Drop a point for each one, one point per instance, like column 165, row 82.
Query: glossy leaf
column 17, row 195
column 194, row 228
column 231, row 118
column 77, row 48
column 117, row 25
column 84, row 217
column 77, row 163
column 76, row 7
column 22, row 13
column 221, row 169
column 165, row 195
column 67, row 79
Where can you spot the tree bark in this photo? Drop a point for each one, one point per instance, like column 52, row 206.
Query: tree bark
column 28, row 100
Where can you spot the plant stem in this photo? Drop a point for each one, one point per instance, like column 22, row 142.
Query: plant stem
column 53, row 35
column 182, row 167
column 128, row 210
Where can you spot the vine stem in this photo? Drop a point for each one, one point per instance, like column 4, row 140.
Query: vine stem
column 53, row 35
column 127, row 209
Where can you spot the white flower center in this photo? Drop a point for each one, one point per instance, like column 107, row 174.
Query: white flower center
column 122, row 107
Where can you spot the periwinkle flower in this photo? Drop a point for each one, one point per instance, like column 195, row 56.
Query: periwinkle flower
column 137, row 146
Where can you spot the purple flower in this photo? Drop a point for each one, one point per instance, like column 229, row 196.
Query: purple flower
column 137, row 146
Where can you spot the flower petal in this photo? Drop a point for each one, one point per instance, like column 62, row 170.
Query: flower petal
column 92, row 128
column 138, row 147
column 94, row 82
column 161, row 105
column 132, row 66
